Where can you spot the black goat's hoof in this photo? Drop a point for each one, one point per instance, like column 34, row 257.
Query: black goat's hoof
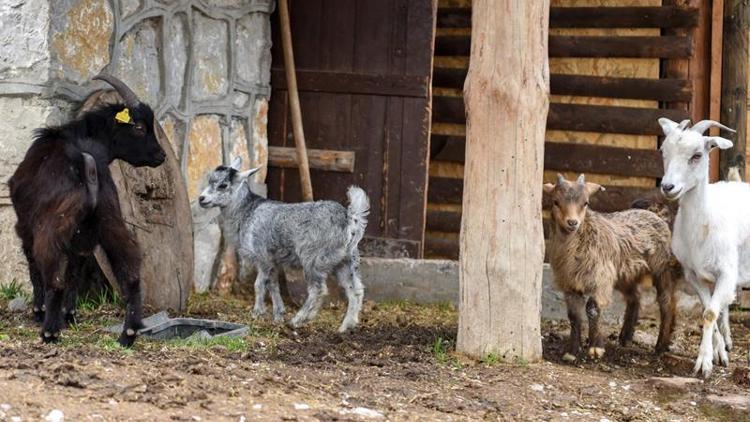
column 126, row 340
column 50, row 337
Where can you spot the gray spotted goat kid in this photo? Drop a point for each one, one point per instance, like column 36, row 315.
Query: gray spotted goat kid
column 319, row 237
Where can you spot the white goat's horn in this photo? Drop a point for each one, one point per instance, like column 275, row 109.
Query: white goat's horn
column 683, row 124
column 702, row 126
column 560, row 178
column 581, row 179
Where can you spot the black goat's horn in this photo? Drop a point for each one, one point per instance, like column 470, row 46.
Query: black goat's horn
column 127, row 94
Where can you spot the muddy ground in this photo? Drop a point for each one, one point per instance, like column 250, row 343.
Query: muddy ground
column 400, row 364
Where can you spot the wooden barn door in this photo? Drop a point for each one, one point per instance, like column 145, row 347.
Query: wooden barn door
column 363, row 70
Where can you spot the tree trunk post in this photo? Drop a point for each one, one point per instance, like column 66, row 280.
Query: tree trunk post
column 734, row 81
column 502, row 243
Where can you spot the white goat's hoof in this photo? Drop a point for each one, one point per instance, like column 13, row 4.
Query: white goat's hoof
column 278, row 319
column 567, row 357
column 596, row 352
column 258, row 313
column 703, row 366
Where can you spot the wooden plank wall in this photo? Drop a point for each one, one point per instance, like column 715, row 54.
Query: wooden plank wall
column 608, row 88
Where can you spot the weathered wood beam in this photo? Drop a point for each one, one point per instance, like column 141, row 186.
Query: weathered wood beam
column 593, row 17
column 354, row 83
column 582, row 158
column 576, row 117
column 665, row 47
column 443, row 190
column 319, row 159
column 501, row 242
column 590, row 86
column 734, row 92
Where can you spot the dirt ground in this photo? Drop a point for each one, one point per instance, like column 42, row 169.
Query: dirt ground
column 399, row 365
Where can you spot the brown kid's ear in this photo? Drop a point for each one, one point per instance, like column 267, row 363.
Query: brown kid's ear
column 548, row 187
column 592, row 188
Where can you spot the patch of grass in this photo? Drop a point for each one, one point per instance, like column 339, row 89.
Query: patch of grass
column 232, row 344
column 441, row 349
column 95, row 301
column 400, row 304
column 491, row 359
column 12, row 290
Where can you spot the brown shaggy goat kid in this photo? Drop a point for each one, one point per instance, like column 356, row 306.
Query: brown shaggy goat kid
column 593, row 253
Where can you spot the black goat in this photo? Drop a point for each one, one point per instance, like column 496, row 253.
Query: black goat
column 66, row 203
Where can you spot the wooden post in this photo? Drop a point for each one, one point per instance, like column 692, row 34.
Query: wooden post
column 291, row 83
column 734, row 82
column 502, row 244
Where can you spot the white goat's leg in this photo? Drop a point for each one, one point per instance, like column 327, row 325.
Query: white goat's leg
column 349, row 281
column 725, row 330
column 260, row 292
column 276, row 300
column 723, row 294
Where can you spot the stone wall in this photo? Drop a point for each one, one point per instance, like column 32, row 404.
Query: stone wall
column 203, row 65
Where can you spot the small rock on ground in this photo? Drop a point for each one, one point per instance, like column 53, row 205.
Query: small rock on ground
column 55, row 415
column 674, row 384
column 17, row 305
column 736, row 402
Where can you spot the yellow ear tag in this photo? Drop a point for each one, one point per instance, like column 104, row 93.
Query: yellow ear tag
column 124, row 116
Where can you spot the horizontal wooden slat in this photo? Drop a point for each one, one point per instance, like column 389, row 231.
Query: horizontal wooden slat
column 580, row 158
column 447, row 148
column 666, row 46
column 576, row 117
column 443, row 221
column 454, row 17
column 609, row 119
column 440, row 247
column 354, row 83
column 614, row 198
column 592, row 17
column 448, row 77
column 590, row 86
column 328, row 160
column 623, row 17
column 450, row 222
column 629, row 88
column 448, row 110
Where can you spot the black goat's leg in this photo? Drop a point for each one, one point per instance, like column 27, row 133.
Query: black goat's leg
column 37, row 286
column 124, row 256
column 71, row 294
column 55, row 281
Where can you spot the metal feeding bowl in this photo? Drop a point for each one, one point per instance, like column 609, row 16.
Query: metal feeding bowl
column 161, row 327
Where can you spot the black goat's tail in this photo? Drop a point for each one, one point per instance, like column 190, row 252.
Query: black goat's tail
column 91, row 179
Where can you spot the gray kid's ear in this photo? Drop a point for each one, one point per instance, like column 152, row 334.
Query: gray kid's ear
column 592, row 188
column 717, row 142
column 243, row 175
column 667, row 126
column 548, row 187
column 236, row 163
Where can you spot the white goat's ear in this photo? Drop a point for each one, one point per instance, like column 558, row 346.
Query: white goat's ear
column 548, row 187
column 667, row 125
column 717, row 142
column 236, row 163
column 592, row 188
column 245, row 174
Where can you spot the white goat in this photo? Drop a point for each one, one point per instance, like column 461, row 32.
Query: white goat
column 711, row 237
